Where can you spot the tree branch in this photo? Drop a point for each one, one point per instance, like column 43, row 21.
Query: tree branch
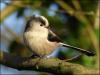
column 8, row 10
column 52, row 65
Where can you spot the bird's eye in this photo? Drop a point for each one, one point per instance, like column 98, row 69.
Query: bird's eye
column 41, row 24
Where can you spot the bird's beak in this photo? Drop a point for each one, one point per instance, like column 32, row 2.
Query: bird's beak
column 48, row 27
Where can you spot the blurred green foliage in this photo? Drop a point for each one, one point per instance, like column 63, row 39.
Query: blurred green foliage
column 69, row 29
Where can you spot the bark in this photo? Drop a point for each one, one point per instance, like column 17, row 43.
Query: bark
column 51, row 65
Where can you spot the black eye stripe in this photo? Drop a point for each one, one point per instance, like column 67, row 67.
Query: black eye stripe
column 28, row 24
column 42, row 21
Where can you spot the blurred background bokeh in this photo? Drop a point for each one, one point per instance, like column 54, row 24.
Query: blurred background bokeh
column 76, row 22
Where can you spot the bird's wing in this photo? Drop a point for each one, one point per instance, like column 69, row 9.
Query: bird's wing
column 53, row 37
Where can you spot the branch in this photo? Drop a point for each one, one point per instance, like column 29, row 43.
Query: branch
column 96, row 25
column 97, row 16
column 15, row 5
column 8, row 10
column 52, row 65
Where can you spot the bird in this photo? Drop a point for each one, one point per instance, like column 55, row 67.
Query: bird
column 42, row 41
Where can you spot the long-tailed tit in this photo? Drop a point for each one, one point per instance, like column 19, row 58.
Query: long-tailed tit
column 41, row 40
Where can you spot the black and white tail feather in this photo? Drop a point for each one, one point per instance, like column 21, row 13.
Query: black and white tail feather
column 89, row 53
column 54, row 38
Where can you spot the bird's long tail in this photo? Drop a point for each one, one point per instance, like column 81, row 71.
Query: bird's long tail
column 89, row 53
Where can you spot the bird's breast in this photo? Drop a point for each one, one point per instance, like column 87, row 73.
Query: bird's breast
column 38, row 43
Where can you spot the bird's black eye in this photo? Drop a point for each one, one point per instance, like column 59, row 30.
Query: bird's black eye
column 41, row 24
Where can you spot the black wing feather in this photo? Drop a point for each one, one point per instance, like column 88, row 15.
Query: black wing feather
column 53, row 37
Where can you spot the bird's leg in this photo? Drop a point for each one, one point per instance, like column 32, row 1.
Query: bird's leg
column 35, row 62
column 38, row 60
column 33, row 56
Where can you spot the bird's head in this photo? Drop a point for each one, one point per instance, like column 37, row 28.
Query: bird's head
column 37, row 21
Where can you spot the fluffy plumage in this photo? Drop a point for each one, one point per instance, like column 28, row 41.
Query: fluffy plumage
column 41, row 40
